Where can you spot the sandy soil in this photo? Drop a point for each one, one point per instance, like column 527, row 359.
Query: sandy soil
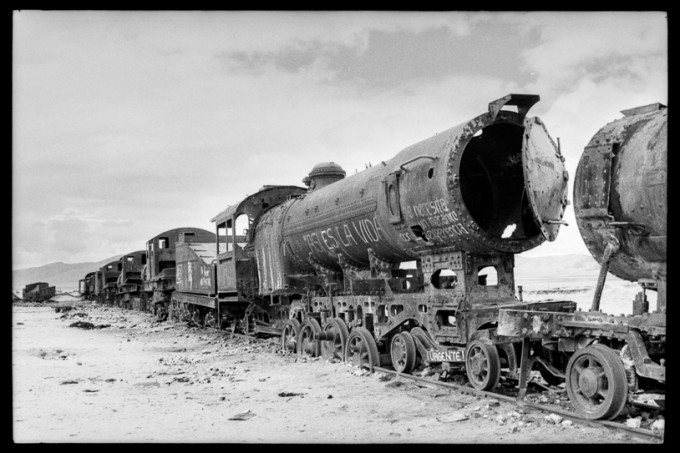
column 142, row 381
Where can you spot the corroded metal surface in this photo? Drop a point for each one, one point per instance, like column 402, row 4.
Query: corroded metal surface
column 620, row 193
column 236, row 265
column 195, row 271
column 462, row 189
column 105, row 282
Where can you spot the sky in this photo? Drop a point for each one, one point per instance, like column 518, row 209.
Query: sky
column 126, row 124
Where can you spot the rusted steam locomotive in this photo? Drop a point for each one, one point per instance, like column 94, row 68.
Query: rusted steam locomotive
column 412, row 260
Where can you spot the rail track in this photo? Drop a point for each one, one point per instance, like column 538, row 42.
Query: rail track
column 639, row 433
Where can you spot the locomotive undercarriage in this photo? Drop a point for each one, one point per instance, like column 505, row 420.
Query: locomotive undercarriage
column 129, row 297
column 254, row 317
column 603, row 360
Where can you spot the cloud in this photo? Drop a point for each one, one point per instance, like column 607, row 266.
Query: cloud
column 596, row 44
column 162, row 119
column 390, row 58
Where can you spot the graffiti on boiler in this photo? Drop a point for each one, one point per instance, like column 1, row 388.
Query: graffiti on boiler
column 354, row 232
column 436, row 218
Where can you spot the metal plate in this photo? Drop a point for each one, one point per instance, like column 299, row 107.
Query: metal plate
column 545, row 177
column 451, row 355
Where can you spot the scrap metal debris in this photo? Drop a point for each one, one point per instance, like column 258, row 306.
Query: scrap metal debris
column 243, row 416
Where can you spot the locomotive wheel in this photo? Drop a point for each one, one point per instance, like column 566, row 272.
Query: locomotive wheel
column 306, row 344
column 361, row 350
column 335, row 349
column 289, row 335
column 482, row 364
column 403, row 352
column 596, row 382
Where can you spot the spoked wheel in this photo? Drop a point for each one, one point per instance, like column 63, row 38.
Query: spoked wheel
column 306, row 344
column 289, row 335
column 482, row 364
column 361, row 350
column 335, row 347
column 403, row 352
column 596, row 382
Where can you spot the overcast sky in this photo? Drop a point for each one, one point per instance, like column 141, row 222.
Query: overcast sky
column 127, row 124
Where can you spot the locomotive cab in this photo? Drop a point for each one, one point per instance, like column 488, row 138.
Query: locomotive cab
column 237, row 271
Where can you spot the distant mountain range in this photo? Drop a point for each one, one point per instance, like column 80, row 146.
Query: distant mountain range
column 62, row 275
column 543, row 269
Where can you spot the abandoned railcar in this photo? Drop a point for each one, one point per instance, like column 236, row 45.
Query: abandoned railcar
column 411, row 259
column 38, row 292
column 217, row 283
column 105, row 283
column 158, row 274
column 621, row 207
column 86, row 286
column 129, row 283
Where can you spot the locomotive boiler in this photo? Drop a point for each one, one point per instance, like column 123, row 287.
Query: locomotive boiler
column 620, row 202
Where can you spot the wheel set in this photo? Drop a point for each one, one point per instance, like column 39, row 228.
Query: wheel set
column 334, row 342
column 595, row 377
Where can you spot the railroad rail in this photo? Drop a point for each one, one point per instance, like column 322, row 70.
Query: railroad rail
column 640, row 433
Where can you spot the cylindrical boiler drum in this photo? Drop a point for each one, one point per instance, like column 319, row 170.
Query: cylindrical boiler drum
column 496, row 183
column 620, row 192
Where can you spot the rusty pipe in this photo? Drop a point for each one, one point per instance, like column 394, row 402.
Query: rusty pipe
column 609, row 251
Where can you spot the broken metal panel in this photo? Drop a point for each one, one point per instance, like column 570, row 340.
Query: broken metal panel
column 545, row 177
column 253, row 205
column 194, row 268
column 268, row 248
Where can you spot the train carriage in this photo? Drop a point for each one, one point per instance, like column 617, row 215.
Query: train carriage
column 105, row 283
column 38, row 292
column 129, row 283
column 86, row 286
column 159, row 273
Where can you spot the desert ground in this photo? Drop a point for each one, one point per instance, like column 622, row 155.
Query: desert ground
column 131, row 379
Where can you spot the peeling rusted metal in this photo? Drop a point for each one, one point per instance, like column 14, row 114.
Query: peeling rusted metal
column 620, row 190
